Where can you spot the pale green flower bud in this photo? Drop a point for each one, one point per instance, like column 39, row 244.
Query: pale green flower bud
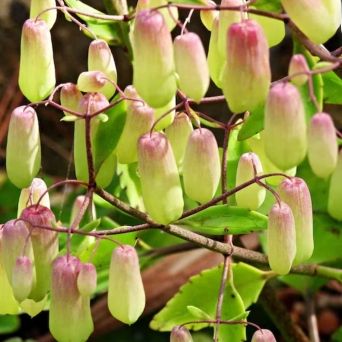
column 281, row 238
column 126, row 295
column 86, row 280
column 166, row 120
column 191, row 66
column 201, row 166
column 208, row 17
column 153, row 67
column 100, row 58
column 216, row 62
column 263, row 335
column 70, row 316
column 23, row 154
column 285, row 126
column 335, row 191
column 274, row 29
column 37, row 70
column 178, row 134
column 295, row 193
column 298, row 64
column 247, row 74
column 22, row 278
column 170, row 18
column 226, row 19
column 317, row 19
column 32, row 195
column 70, row 97
column 322, row 145
column 38, row 6
column 180, row 334
column 253, row 196
column 33, row 308
column 45, row 246
column 139, row 120
column 8, row 304
column 158, row 171
column 91, row 81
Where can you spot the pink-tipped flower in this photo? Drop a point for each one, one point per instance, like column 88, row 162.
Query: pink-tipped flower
column 37, row 70
column 126, row 295
column 191, row 66
column 298, row 64
column 23, row 278
column 178, row 134
column 208, row 17
column 216, row 62
column 37, row 6
column 8, row 304
column 139, row 120
column 23, row 154
column 247, row 74
column 70, row 97
column 201, row 166
column 253, row 196
column 281, row 238
column 158, row 171
column 274, row 29
column 295, row 193
column 285, row 126
column 335, row 191
column 31, row 195
column 322, row 145
column 45, row 246
column 15, row 243
column 170, row 14
column 153, row 67
column 263, row 335
column 70, row 316
column 317, row 19
column 86, row 280
column 226, row 19
column 100, row 58
column 132, row 93
column 91, row 81
column 180, row 334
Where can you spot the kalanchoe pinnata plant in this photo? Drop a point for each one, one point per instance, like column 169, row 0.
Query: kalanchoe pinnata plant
column 201, row 165
column 45, row 246
column 281, row 238
column 91, row 81
column 100, row 58
column 37, row 6
column 153, row 67
column 263, row 335
column 322, row 145
column 86, row 280
column 335, row 191
column 178, row 134
column 126, row 295
column 295, row 193
column 37, row 70
column 70, row 97
column 253, row 195
column 70, row 317
column 168, row 119
column 158, row 170
column 180, row 334
column 318, row 19
column 247, row 74
column 32, row 195
column 191, row 65
column 298, row 64
column 285, row 126
column 23, row 278
column 23, row 154
column 208, row 17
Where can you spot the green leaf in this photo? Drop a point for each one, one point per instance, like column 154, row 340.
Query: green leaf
column 253, row 124
column 337, row 336
column 269, row 5
column 223, row 220
column 9, row 324
column 108, row 32
column 108, row 133
column 198, row 313
column 332, row 88
column 248, row 283
column 304, row 283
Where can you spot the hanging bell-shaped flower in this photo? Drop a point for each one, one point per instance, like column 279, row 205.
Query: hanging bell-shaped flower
column 37, row 6
column 180, row 334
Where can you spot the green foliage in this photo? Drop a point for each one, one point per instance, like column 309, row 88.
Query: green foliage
column 9, row 324
column 332, row 88
column 269, row 5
